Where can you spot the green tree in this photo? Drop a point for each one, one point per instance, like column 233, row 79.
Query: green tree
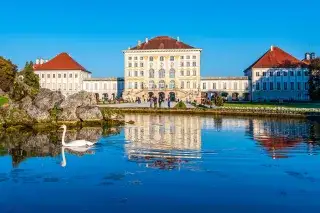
column 30, row 78
column 218, row 101
column 314, row 80
column 7, row 74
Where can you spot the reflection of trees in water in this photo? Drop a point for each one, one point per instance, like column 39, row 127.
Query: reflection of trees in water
column 26, row 144
column 218, row 123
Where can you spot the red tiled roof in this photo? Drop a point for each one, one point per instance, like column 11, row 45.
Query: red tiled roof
column 61, row 62
column 275, row 58
column 162, row 42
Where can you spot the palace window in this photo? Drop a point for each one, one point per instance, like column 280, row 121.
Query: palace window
column 194, row 72
column 194, row 57
column 299, row 86
column 264, row 74
column 135, row 58
column 135, row 73
column 306, row 73
column 214, row 86
column 141, row 73
column 141, row 64
column 188, row 72
column 285, row 73
column 278, row 73
column 150, row 58
column 70, row 86
column 162, row 73
column 194, row 64
column 194, row 85
column 172, row 73
column 129, row 73
column 264, row 86
column 182, row 84
column 53, row 75
column 75, row 75
column 306, row 86
column 151, row 84
column 151, row 73
column 299, row 73
column 130, row 58
column 292, row 85
column 65, row 75
column 181, row 57
column 291, row 73
column 224, row 85
column 182, row 64
column 235, row 85
column 136, row 85
column 130, row 64
column 188, row 64
column 70, row 75
column 271, row 73
column 135, row 64
column 161, row 58
column 257, row 74
column 271, row 85
column 182, row 73
column 188, row 56
column 48, row 75
column 171, row 58
column 285, row 86
column 278, row 86
column 188, row 84
column 162, row 84
column 172, row 84
column 204, row 86
column 257, row 86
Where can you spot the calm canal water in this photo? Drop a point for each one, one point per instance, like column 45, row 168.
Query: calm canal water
column 166, row 163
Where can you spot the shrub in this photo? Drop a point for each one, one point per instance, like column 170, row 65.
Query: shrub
column 219, row 101
column 7, row 74
column 180, row 105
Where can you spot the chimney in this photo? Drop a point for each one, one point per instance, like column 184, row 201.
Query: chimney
column 178, row 38
column 139, row 43
column 271, row 48
column 307, row 56
column 37, row 61
column 147, row 40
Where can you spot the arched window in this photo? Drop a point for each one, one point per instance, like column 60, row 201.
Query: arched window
column 151, row 73
column 162, row 73
column 172, row 73
column 188, row 84
column 162, row 84
column 172, row 85
column 151, row 84
column 182, row 84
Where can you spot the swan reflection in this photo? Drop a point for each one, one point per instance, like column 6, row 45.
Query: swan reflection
column 76, row 151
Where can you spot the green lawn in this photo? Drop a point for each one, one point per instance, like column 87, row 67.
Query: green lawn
column 290, row 105
column 3, row 100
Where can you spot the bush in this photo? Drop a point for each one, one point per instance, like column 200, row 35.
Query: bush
column 219, row 101
column 7, row 74
column 180, row 105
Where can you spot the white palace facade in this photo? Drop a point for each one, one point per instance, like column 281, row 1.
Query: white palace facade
column 169, row 68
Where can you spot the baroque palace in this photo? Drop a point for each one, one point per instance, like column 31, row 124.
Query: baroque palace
column 169, row 68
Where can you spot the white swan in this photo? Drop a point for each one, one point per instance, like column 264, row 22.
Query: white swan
column 77, row 143
column 75, row 149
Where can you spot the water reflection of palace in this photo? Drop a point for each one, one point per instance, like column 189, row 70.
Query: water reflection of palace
column 278, row 136
column 163, row 135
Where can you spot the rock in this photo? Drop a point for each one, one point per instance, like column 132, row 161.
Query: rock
column 47, row 99
column 82, row 98
column 40, row 115
column 16, row 116
column 90, row 134
column 87, row 113
column 68, row 114
column 2, row 121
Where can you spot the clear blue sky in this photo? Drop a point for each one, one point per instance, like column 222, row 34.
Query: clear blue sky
column 231, row 33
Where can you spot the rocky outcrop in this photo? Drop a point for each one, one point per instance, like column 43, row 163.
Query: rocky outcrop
column 47, row 99
column 87, row 113
column 80, row 107
column 39, row 115
column 16, row 116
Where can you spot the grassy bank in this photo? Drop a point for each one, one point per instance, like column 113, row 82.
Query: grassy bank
column 3, row 100
column 274, row 105
column 236, row 111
